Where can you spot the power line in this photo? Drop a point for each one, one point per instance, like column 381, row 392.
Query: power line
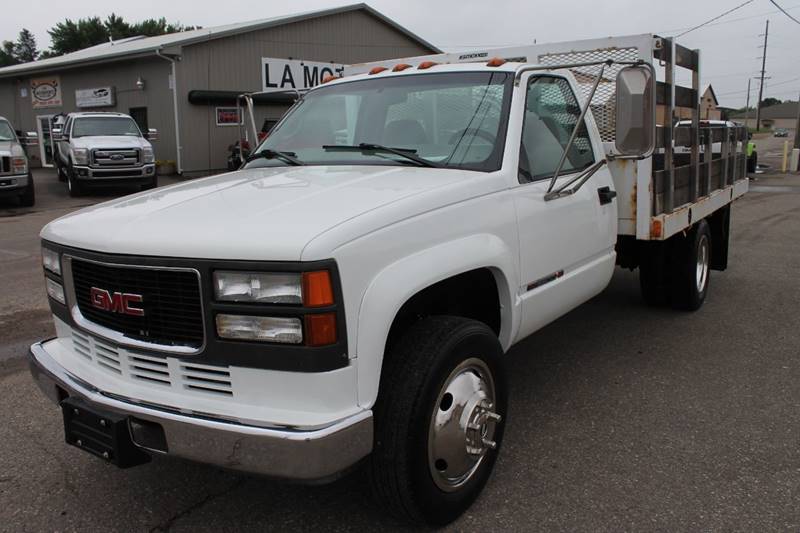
column 715, row 18
column 731, row 21
column 774, row 3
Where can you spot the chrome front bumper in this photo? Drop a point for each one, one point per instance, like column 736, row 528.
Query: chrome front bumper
column 284, row 453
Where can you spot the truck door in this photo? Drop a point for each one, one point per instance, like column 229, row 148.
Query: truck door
column 567, row 243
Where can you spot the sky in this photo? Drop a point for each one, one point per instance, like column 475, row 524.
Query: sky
column 730, row 47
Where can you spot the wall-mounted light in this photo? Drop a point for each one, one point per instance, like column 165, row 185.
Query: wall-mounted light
column 140, row 83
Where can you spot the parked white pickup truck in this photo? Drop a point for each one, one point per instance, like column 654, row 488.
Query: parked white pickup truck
column 16, row 179
column 101, row 148
column 346, row 297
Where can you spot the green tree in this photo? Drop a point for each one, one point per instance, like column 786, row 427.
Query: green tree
column 7, row 56
column 767, row 102
column 25, row 47
column 70, row 36
column 117, row 28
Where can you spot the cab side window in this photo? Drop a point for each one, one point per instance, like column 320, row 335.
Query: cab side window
column 551, row 113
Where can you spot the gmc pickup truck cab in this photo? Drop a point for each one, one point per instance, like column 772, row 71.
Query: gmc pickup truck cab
column 102, row 148
column 15, row 173
column 347, row 297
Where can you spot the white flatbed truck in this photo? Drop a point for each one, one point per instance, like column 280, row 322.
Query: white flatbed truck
column 346, row 297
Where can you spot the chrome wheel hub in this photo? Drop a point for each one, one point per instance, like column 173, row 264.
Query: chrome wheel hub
column 703, row 255
column 463, row 425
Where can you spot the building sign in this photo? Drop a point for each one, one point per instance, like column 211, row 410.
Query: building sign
column 46, row 92
column 289, row 74
column 97, row 97
column 228, row 116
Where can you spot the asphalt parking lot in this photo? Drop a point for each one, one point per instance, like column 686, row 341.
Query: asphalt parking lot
column 622, row 417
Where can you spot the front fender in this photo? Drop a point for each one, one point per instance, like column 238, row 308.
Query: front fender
column 398, row 282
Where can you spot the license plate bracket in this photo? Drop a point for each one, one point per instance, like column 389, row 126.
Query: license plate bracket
column 102, row 433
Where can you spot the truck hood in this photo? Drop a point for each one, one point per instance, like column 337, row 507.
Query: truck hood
column 253, row 214
column 109, row 141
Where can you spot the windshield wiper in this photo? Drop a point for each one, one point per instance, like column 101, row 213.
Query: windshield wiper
column 287, row 157
column 370, row 147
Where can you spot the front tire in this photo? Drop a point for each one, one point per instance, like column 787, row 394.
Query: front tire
column 28, row 198
column 152, row 184
column 73, row 186
column 439, row 419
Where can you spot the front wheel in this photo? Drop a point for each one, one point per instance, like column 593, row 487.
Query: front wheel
column 439, row 419
column 28, row 197
column 73, row 186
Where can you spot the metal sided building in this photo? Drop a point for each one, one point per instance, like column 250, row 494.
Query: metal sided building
column 186, row 84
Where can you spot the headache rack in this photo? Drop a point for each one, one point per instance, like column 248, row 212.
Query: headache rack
column 695, row 169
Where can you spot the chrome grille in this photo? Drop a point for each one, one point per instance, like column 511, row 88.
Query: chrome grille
column 170, row 300
column 114, row 157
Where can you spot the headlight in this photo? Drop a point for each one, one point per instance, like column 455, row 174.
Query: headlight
column 80, row 156
column 258, row 287
column 51, row 261
column 149, row 157
column 19, row 165
column 55, row 290
column 260, row 328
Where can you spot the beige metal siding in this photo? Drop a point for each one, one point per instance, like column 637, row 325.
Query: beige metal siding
column 156, row 96
column 234, row 64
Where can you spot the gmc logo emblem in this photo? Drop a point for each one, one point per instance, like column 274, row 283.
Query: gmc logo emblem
column 116, row 302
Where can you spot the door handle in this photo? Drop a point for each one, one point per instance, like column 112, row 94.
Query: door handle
column 606, row 195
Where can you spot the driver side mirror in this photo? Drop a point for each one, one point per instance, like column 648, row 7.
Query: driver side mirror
column 152, row 134
column 28, row 138
column 57, row 134
column 636, row 112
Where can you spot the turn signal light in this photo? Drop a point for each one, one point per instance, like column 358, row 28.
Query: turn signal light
column 427, row 64
column 496, row 62
column 317, row 289
column 321, row 329
column 377, row 70
column 401, row 67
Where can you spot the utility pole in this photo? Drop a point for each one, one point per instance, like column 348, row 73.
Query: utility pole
column 763, row 71
column 747, row 106
column 797, row 126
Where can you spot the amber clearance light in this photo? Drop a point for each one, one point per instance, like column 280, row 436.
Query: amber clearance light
column 317, row 289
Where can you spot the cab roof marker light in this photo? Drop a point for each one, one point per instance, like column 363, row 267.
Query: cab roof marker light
column 327, row 78
column 377, row 70
column 426, row 64
column 400, row 67
column 496, row 62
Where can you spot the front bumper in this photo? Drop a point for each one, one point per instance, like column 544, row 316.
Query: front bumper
column 144, row 172
column 13, row 185
column 289, row 453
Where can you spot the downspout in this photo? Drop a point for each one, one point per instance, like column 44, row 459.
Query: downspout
column 178, row 148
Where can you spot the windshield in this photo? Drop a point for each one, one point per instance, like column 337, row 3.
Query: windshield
column 93, row 126
column 6, row 131
column 454, row 120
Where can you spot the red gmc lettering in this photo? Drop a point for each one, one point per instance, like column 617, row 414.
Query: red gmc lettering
column 117, row 302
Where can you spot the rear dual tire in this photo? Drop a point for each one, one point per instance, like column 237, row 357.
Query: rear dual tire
column 678, row 271
column 439, row 420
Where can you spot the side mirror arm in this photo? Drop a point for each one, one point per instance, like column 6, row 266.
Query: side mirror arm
column 581, row 179
column 577, row 127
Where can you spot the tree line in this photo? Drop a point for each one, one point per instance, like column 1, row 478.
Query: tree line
column 72, row 35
